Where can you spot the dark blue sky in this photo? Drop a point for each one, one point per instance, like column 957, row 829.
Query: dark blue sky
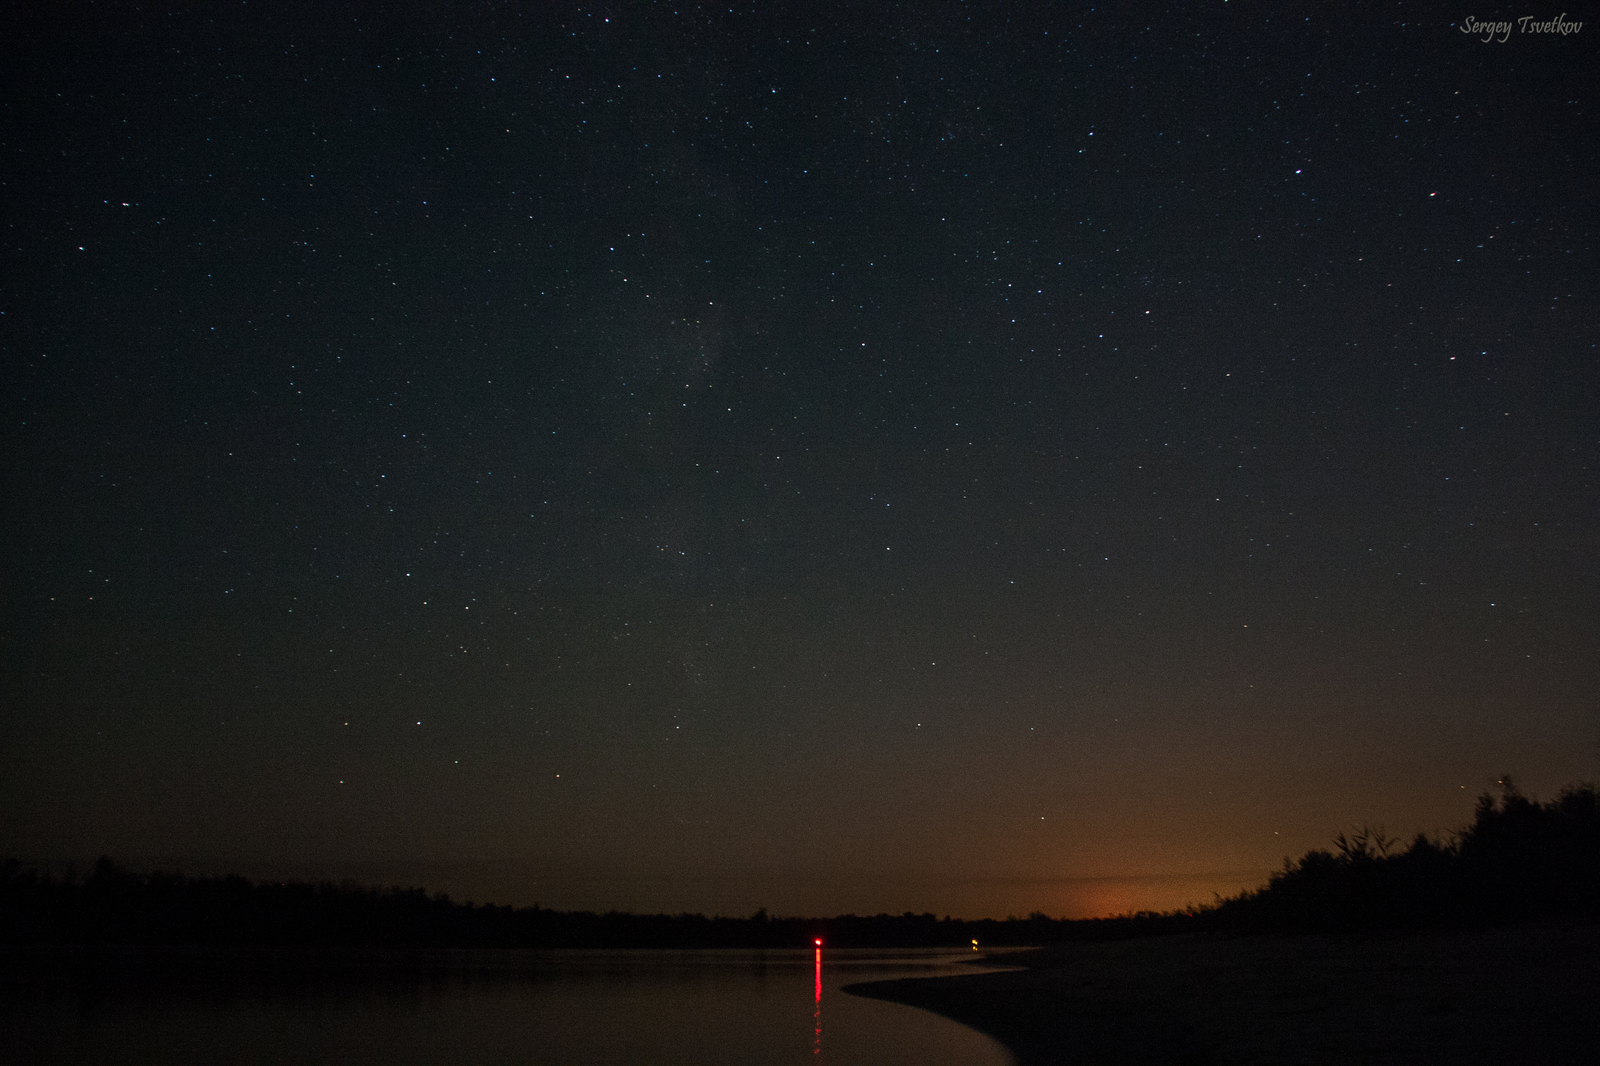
column 936, row 457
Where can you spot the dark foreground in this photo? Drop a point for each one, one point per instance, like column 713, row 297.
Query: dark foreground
column 1524, row 994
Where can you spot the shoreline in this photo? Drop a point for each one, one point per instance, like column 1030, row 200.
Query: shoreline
column 1517, row 994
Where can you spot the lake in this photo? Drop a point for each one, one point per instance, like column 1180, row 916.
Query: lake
column 574, row 1008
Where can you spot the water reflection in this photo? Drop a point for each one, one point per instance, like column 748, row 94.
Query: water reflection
column 816, row 1043
column 575, row 1008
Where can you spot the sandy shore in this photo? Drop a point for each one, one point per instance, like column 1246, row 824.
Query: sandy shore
column 1528, row 994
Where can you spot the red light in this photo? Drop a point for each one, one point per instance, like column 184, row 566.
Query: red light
column 818, row 941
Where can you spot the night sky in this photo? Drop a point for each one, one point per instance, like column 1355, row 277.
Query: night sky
column 969, row 458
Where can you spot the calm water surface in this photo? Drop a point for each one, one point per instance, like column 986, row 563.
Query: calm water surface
column 534, row 1008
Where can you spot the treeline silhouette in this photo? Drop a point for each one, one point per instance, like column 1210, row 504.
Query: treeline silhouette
column 114, row 906
column 1519, row 859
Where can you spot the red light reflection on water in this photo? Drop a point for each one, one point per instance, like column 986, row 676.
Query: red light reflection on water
column 816, row 1016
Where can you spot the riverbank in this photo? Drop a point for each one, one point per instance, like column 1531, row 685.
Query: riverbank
column 1519, row 994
